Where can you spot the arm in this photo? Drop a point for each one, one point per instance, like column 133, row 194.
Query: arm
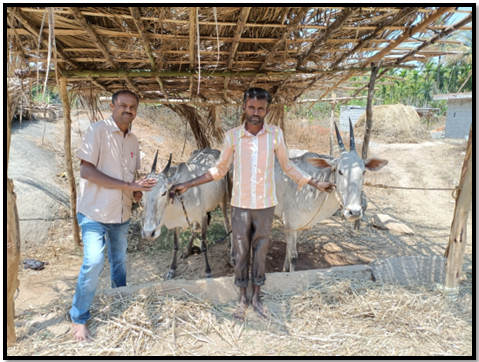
column 296, row 174
column 214, row 173
column 89, row 172
column 200, row 180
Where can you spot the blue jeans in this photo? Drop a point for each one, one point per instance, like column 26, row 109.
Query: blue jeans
column 95, row 235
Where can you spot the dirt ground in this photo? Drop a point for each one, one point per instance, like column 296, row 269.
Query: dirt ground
column 333, row 242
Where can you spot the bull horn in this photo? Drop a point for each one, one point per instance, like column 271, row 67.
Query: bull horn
column 167, row 168
column 352, row 146
column 340, row 141
column 153, row 168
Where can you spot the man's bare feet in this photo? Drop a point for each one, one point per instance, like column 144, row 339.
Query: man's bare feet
column 240, row 311
column 80, row 332
column 260, row 310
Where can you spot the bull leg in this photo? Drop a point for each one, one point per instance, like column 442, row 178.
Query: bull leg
column 204, row 246
column 291, row 251
column 227, row 224
column 176, row 237
column 190, row 242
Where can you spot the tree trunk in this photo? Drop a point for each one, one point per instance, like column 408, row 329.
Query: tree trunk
column 13, row 242
column 369, row 111
column 68, row 159
column 458, row 237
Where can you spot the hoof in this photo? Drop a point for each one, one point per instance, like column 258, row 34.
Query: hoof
column 209, row 275
column 170, row 275
column 233, row 262
column 183, row 256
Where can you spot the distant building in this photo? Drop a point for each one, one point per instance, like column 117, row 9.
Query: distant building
column 349, row 111
column 459, row 114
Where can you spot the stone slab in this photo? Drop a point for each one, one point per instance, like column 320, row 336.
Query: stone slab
column 386, row 222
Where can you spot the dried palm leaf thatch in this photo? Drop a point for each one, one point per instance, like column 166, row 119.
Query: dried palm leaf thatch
column 89, row 99
column 193, row 117
column 213, row 123
column 393, row 123
column 276, row 116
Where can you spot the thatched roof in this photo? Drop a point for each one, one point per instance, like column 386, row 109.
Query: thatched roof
column 214, row 54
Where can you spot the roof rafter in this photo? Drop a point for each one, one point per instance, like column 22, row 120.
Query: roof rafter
column 395, row 43
column 135, row 13
column 99, row 44
column 36, row 32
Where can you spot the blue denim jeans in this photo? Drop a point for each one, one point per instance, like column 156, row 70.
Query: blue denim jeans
column 95, row 235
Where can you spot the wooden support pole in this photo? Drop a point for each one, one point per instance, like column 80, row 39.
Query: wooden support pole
column 458, row 236
column 331, row 125
column 68, row 159
column 369, row 112
column 13, row 243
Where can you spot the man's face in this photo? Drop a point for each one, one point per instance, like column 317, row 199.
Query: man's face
column 124, row 109
column 255, row 110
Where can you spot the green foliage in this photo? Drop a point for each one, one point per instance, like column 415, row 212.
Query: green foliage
column 51, row 95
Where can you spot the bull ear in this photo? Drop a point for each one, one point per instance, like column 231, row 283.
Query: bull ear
column 319, row 162
column 375, row 164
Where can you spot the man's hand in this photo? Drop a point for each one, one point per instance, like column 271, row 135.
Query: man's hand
column 137, row 195
column 322, row 186
column 142, row 184
column 180, row 188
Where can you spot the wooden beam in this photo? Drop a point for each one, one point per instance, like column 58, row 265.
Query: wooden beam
column 192, row 32
column 432, row 40
column 404, row 12
column 99, row 85
column 369, row 112
column 458, row 236
column 345, row 14
column 93, row 35
column 395, row 43
column 68, row 159
column 13, row 242
column 237, row 35
column 33, row 30
column 259, row 24
column 135, row 13
column 409, row 33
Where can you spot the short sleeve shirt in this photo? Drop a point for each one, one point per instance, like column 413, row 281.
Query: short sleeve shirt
column 115, row 155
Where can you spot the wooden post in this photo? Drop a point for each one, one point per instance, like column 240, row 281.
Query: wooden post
column 331, row 124
column 369, row 111
column 458, row 237
column 68, row 159
column 13, row 242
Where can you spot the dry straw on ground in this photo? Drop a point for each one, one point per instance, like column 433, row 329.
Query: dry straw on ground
column 393, row 123
column 338, row 317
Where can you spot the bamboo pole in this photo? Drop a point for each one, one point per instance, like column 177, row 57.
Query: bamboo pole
column 369, row 112
column 146, row 73
column 13, row 242
column 458, row 236
column 68, row 159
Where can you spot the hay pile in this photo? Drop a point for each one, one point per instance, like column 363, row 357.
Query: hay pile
column 339, row 317
column 393, row 123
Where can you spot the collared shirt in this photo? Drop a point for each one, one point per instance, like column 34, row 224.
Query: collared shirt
column 253, row 157
column 115, row 155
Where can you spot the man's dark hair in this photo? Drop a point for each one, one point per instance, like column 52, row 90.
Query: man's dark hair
column 123, row 91
column 258, row 93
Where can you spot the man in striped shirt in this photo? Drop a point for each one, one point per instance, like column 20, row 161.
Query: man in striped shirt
column 251, row 148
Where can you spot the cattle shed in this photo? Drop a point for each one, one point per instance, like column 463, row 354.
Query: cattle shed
column 459, row 114
column 195, row 59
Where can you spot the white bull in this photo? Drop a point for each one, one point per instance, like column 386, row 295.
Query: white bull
column 301, row 210
column 198, row 201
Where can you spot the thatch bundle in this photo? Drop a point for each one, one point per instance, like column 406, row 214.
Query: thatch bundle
column 393, row 123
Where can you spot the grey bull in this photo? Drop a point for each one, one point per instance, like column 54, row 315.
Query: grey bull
column 301, row 210
column 198, row 201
